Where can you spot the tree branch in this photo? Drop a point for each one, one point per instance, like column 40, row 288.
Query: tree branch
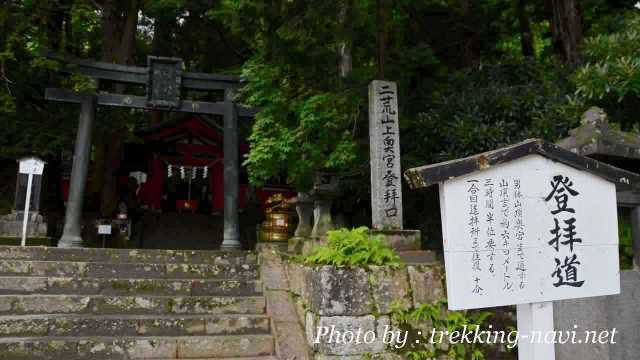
column 4, row 77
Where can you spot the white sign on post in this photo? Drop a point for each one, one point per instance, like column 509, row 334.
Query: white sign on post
column 527, row 225
column 104, row 229
column 32, row 166
column 527, row 231
column 29, row 166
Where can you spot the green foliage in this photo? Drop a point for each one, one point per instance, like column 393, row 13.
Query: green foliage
column 611, row 75
column 613, row 67
column 29, row 124
column 352, row 248
column 308, row 116
column 299, row 129
column 436, row 316
column 494, row 105
column 625, row 243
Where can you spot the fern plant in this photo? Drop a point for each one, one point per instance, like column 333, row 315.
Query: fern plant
column 438, row 318
column 352, row 248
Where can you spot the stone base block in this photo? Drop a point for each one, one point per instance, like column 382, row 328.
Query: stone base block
column 334, row 291
column 347, row 335
column 279, row 246
column 401, row 240
column 308, row 246
column 418, row 257
column 296, row 244
column 11, row 225
column 426, row 284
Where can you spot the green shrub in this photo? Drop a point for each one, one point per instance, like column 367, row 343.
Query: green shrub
column 353, row 247
column 437, row 316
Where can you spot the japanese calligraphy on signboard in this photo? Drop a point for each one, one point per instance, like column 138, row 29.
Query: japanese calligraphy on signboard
column 386, row 186
column 526, row 231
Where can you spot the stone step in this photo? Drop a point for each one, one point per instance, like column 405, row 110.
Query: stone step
column 235, row 358
column 114, row 348
column 13, row 285
column 81, row 269
column 131, row 325
column 130, row 305
column 128, row 255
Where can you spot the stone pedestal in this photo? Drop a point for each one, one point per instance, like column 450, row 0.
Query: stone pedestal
column 400, row 240
column 274, row 247
column 304, row 209
column 322, row 218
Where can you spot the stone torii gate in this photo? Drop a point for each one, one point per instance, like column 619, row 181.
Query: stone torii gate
column 164, row 80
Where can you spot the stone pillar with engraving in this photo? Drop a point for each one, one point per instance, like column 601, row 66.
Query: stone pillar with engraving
column 386, row 173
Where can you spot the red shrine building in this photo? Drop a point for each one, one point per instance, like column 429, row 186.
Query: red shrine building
column 178, row 167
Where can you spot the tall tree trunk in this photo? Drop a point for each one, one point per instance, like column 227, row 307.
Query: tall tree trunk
column 119, row 24
column 68, row 28
column 566, row 27
column 163, row 28
column 526, row 34
column 55, row 21
column 346, row 60
column 468, row 53
column 382, row 17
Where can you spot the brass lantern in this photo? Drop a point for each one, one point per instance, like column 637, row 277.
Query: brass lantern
column 276, row 226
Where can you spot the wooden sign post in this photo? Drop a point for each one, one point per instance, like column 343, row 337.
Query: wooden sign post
column 533, row 318
column 29, row 167
column 526, row 225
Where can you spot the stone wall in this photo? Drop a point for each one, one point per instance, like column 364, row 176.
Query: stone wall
column 603, row 313
column 352, row 299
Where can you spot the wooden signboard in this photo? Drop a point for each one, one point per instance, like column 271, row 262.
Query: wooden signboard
column 32, row 166
column 531, row 230
column 526, row 225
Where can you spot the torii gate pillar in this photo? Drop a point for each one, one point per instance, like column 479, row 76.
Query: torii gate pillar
column 71, row 236
column 231, row 235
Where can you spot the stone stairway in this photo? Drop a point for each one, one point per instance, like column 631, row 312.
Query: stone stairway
column 131, row 304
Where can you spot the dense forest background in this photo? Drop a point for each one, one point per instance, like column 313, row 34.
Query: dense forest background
column 472, row 76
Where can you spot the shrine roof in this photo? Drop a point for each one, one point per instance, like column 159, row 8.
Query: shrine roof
column 179, row 122
column 200, row 126
column 596, row 137
column 428, row 175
